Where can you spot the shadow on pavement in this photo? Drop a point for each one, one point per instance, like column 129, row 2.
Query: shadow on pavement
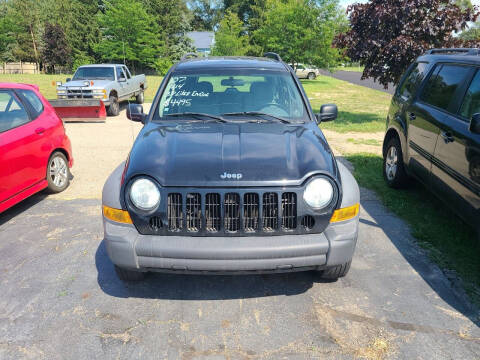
column 200, row 287
column 21, row 207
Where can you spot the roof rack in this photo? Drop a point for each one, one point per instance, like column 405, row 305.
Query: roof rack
column 466, row 51
column 189, row 56
column 272, row 55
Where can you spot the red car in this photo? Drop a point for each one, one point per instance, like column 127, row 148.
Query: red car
column 35, row 152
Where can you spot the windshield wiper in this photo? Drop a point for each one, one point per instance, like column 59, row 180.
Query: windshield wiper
column 257, row 113
column 198, row 116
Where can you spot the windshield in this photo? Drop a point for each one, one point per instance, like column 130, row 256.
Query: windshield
column 88, row 73
column 233, row 95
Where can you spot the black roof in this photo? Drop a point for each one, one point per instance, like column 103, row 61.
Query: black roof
column 462, row 55
column 243, row 62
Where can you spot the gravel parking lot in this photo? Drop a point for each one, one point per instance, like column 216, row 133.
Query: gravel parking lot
column 61, row 299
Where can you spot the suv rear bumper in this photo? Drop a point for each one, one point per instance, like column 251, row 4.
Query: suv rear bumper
column 188, row 254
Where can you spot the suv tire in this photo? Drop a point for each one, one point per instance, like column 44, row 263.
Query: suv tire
column 58, row 173
column 335, row 272
column 311, row 76
column 114, row 108
column 393, row 166
column 129, row 275
column 140, row 98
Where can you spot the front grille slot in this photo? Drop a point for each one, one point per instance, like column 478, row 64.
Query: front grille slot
column 193, row 212
column 212, row 212
column 289, row 211
column 175, row 212
column 231, row 210
column 250, row 212
column 270, row 211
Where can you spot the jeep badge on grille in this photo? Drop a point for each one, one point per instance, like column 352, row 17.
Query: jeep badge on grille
column 226, row 175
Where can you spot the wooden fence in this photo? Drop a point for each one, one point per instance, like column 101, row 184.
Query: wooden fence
column 18, row 68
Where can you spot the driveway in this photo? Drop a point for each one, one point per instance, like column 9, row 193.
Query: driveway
column 60, row 298
column 355, row 77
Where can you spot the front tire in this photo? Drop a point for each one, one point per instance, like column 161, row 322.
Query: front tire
column 140, row 98
column 58, row 173
column 129, row 275
column 311, row 76
column 335, row 272
column 114, row 108
column 393, row 166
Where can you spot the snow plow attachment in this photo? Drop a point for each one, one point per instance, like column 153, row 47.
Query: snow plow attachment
column 80, row 110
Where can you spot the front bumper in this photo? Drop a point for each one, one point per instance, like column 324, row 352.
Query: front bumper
column 129, row 249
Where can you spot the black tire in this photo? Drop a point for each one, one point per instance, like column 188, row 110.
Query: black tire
column 311, row 76
column 58, row 173
column 335, row 272
column 393, row 166
column 140, row 98
column 114, row 108
column 129, row 275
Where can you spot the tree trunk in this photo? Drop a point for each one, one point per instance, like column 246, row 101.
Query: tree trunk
column 34, row 44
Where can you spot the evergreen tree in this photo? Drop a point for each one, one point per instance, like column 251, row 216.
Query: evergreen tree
column 230, row 39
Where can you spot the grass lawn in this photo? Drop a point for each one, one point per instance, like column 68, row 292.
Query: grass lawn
column 449, row 241
column 48, row 88
column 360, row 109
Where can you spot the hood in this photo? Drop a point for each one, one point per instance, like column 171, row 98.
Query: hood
column 79, row 83
column 230, row 154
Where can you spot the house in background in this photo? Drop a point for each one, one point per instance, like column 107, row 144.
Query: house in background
column 203, row 41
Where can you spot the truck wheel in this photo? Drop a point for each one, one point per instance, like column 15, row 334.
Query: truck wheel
column 393, row 167
column 335, row 272
column 140, row 97
column 58, row 173
column 311, row 76
column 129, row 275
column 114, row 108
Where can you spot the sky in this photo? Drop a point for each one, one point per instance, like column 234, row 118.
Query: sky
column 348, row 2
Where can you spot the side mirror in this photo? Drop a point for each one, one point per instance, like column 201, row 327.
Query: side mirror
column 475, row 124
column 69, row 79
column 328, row 112
column 135, row 113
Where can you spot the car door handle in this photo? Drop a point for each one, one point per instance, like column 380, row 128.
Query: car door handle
column 412, row 116
column 447, row 137
column 40, row 131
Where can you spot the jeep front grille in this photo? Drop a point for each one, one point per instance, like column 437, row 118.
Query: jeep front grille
column 232, row 213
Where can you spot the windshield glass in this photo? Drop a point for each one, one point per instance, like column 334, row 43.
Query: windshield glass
column 87, row 73
column 231, row 94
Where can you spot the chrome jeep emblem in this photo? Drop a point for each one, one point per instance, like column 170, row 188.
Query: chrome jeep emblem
column 226, row 175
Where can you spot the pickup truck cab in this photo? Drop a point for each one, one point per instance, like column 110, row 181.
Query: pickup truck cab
column 112, row 83
column 231, row 174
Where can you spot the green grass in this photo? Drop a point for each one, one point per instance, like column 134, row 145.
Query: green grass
column 350, row 68
column 450, row 242
column 48, row 88
column 372, row 142
column 360, row 109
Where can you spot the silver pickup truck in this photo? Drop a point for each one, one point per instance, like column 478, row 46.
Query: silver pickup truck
column 111, row 83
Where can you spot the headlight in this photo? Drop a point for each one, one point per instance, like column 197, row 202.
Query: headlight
column 318, row 193
column 144, row 194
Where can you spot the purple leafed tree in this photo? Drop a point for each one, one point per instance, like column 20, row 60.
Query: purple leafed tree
column 386, row 36
column 56, row 50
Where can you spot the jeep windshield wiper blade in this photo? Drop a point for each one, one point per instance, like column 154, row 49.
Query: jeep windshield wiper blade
column 256, row 113
column 197, row 116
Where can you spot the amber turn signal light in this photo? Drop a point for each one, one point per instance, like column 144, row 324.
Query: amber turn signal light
column 345, row 213
column 120, row 216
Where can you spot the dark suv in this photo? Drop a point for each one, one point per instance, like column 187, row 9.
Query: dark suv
column 231, row 173
column 433, row 129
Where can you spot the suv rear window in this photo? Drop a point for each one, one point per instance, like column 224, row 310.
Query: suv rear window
column 441, row 87
column 413, row 80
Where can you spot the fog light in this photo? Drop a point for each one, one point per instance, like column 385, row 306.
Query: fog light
column 117, row 215
column 345, row 213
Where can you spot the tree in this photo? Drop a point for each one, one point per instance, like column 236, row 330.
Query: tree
column 301, row 31
column 471, row 34
column 130, row 34
column 229, row 39
column 206, row 14
column 7, row 30
column 386, row 36
column 55, row 49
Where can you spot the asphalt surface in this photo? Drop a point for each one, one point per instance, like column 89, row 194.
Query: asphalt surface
column 355, row 77
column 60, row 299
